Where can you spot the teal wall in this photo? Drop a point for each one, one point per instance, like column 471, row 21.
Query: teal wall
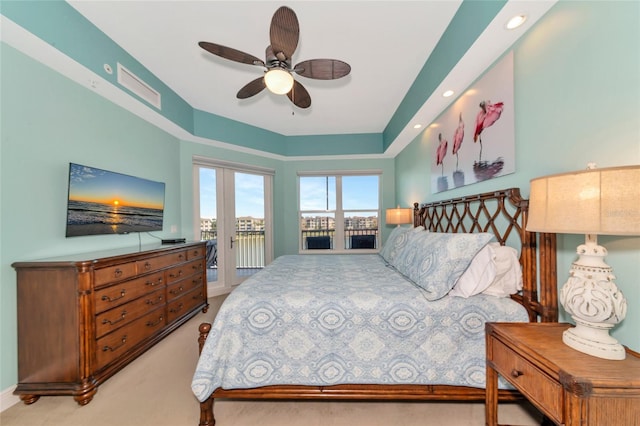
column 577, row 95
column 577, row 100
column 47, row 122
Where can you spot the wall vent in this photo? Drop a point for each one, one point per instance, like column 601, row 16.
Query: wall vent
column 134, row 83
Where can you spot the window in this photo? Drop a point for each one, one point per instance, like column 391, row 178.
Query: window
column 339, row 211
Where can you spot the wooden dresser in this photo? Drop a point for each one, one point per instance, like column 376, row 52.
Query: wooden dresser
column 569, row 387
column 83, row 318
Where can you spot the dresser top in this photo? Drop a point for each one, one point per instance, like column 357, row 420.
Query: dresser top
column 107, row 255
column 542, row 344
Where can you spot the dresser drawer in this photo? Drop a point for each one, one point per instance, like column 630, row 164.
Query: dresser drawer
column 182, row 271
column 115, row 273
column 118, row 294
column 184, row 304
column 113, row 345
column 195, row 253
column 113, row 319
column 159, row 262
column 532, row 382
column 181, row 287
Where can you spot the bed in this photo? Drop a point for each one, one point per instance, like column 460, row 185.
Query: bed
column 388, row 326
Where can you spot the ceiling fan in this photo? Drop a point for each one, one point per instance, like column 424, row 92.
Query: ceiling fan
column 284, row 34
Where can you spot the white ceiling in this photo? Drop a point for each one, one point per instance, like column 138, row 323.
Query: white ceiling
column 385, row 42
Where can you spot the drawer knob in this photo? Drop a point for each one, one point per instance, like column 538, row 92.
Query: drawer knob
column 117, row 273
column 516, row 373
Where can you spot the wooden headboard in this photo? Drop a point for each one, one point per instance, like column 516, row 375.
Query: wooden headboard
column 504, row 214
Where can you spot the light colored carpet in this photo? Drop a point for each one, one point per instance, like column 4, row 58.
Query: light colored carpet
column 155, row 390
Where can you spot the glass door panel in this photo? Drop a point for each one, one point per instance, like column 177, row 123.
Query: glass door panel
column 249, row 229
column 208, row 220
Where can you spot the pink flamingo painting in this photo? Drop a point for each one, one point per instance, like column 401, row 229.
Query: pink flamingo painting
column 457, row 138
column 442, row 151
column 489, row 113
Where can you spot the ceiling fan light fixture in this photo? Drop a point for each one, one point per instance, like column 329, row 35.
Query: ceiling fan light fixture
column 278, row 81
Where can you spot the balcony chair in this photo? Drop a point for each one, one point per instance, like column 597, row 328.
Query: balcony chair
column 315, row 243
column 363, row 241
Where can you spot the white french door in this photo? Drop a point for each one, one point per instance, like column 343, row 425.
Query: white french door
column 233, row 214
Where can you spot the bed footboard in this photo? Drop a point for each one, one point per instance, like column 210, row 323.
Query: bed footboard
column 345, row 392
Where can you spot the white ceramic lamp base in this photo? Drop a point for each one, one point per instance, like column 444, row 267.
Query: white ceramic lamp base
column 594, row 302
column 593, row 341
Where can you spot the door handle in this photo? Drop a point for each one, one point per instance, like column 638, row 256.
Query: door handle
column 231, row 240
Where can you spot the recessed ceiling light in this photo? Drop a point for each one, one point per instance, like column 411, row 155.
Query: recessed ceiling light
column 417, row 126
column 516, row 21
column 447, row 93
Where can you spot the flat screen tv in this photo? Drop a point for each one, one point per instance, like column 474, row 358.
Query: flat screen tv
column 104, row 202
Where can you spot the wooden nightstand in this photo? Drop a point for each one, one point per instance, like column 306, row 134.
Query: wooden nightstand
column 567, row 386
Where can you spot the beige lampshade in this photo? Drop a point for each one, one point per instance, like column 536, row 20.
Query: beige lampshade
column 399, row 216
column 594, row 201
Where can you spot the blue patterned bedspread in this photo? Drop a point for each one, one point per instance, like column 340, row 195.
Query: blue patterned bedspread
column 323, row 320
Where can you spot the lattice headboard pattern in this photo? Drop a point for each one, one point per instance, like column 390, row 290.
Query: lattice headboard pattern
column 504, row 214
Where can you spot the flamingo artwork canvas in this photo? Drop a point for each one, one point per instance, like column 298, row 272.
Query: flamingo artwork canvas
column 487, row 149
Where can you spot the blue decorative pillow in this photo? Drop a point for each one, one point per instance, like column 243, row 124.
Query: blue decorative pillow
column 435, row 261
column 397, row 240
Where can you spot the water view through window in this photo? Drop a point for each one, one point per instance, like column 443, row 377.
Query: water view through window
column 339, row 212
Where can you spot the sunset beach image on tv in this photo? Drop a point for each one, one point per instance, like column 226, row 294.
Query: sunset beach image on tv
column 104, row 202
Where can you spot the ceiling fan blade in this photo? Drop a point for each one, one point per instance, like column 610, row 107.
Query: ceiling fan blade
column 230, row 53
column 284, row 33
column 252, row 88
column 323, row 69
column 299, row 96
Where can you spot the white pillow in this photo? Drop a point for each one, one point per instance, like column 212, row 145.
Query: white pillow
column 508, row 278
column 479, row 275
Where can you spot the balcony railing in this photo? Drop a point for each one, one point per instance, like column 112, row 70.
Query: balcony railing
column 249, row 246
column 348, row 233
